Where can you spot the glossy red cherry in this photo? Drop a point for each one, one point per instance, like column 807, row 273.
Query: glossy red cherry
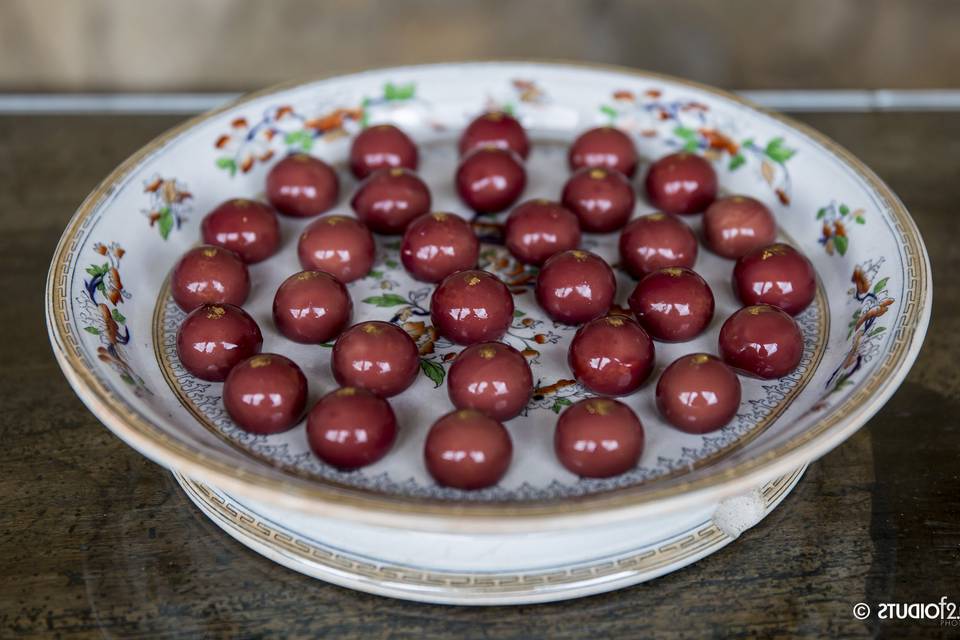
column 776, row 274
column 438, row 244
column 341, row 246
column 606, row 148
column 265, row 394
column 576, row 286
column 351, row 428
column 302, row 186
column 209, row 275
column 602, row 199
column 538, row 229
column 673, row 304
column 382, row 146
column 492, row 378
column 611, row 355
column 246, row 227
column 598, row 438
column 498, row 130
column 214, row 338
column 734, row 226
column 466, row 449
column 698, row 393
column 389, row 199
column 490, row 180
column 377, row 356
column 762, row 341
column 681, row 183
column 655, row 241
column 471, row 306
column 311, row 307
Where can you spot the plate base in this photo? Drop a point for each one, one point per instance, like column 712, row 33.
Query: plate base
column 492, row 569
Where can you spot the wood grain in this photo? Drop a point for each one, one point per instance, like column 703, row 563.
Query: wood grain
column 96, row 541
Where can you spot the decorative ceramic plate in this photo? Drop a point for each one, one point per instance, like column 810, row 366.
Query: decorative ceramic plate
column 113, row 323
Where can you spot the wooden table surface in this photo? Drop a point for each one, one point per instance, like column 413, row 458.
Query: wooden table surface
column 97, row 541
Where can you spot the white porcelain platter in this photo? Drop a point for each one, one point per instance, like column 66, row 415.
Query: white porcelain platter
column 112, row 323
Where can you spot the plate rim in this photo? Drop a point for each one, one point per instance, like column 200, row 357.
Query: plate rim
column 821, row 437
column 278, row 543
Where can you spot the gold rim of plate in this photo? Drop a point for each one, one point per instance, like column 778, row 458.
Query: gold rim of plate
column 465, row 587
column 347, row 502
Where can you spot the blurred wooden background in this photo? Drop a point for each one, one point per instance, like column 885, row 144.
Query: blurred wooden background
column 139, row 45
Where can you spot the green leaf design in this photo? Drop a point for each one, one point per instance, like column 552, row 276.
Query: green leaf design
column 876, row 331
column 364, row 113
column 399, row 91
column 747, row 143
column 101, row 270
column 393, row 244
column 165, row 222
column 559, row 404
column 880, row 286
column 737, row 161
column 229, row 164
column 119, row 317
column 841, row 243
column 391, row 264
column 386, row 300
column 509, row 109
column 690, row 146
column 610, row 112
column 821, row 213
column 375, row 274
column 844, row 209
column 302, row 139
column 433, row 371
column 327, row 345
column 518, row 314
column 92, row 330
column 860, row 220
column 777, row 151
column 686, row 133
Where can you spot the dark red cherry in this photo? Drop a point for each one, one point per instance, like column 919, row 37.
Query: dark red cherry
column 498, row 130
column 762, row 341
column 681, row 183
column 471, row 306
column 209, row 275
column 389, row 199
column 246, row 227
column 341, row 246
column 734, row 226
column 576, row 286
column 537, row 229
column 382, row 146
column 598, row 438
column 673, row 304
column 377, row 356
column 311, row 307
column 655, row 241
column 466, row 449
column 302, row 186
column 605, row 148
column 492, row 378
column 265, row 394
column 214, row 338
column 490, row 180
column 351, row 428
column 776, row 274
column 438, row 244
column 698, row 393
column 602, row 199
column 611, row 356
